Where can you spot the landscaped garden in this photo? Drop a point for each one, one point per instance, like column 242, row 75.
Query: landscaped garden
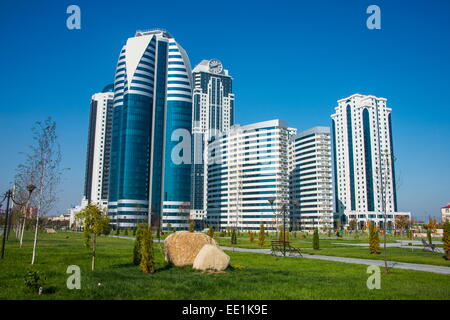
column 251, row 275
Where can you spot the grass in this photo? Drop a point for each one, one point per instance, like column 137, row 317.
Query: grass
column 264, row 276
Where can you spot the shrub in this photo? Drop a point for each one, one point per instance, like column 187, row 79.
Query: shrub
column 147, row 263
column 191, row 226
column 316, row 239
column 138, row 243
column 211, row 232
column 233, row 236
column 251, row 236
column 34, row 280
column 126, row 232
column 262, row 235
column 374, row 240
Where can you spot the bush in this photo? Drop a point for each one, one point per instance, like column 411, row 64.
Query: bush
column 262, row 235
column 191, row 226
column 126, row 232
column 138, row 244
column 430, row 240
column 233, row 236
column 211, row 232
column 374, row 240
column 147, row 263
column 316, row 239
column 251, row 236
column 34, row 281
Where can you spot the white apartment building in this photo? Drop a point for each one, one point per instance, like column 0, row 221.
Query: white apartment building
column 311, row 196
column 247, row 167
column 363, row 160
column 98, row 148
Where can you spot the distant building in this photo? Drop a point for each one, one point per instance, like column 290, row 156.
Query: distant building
column 99, row 147
column 445, row 213
column 311, row 188
column 364, row 161
column 213, row 110
column 61, row 218
column 248, row 168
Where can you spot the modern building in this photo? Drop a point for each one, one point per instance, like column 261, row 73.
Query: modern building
column 445, row 213
column 213, row 112
column 99, row 147
column 247, row 170
column 363, row 155
column 152, row 119
column 311, row 187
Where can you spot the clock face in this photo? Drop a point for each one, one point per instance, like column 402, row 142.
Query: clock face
column 215, row 66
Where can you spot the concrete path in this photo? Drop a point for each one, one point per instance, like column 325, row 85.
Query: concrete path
column 395, row 245
column 391, row 264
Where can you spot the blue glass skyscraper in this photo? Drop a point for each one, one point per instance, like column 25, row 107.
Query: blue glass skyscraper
column 152, row 99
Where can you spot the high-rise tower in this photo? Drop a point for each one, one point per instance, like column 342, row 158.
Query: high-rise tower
column 152, row 115
column 365, row 185
column 213, row 112
column 99, row 147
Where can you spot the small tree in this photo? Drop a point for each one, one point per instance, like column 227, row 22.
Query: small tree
column 446, row 239
column 262, row 235
column 191, row 226
column 316, row 239
column 251, row 236
column 211, row 232
column 95, row 222
column 138, row 243
column 126, row 232
column 147, row 263
column 402, row 222
column 352, row 224
column 374, row 240
column 233, row 236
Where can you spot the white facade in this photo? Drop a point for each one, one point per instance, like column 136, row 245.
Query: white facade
column 99, row 142
column 247, row 167
column 213, row 113
column 311, row 180
column 445, row 213
column 363, row 160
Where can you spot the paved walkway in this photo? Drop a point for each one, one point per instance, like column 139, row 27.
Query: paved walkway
column 391, row 264
column 395, row 245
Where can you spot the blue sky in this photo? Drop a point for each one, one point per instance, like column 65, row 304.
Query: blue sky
column 290, row 60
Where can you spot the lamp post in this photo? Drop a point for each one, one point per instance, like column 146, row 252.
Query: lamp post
column 271, row 201
column 283, row 208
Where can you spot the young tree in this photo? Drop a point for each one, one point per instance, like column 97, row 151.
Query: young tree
column 191, row 226
column 95, row 222
column 446, row 239
column 42, row 169
column 316, row 239
column 233, row 236
column 352, row 224
column 402, row 222
column 262, row 235
column 374, row 240
column 430, row 239
column 251, row 236
column 147, row 263
column 138, row 243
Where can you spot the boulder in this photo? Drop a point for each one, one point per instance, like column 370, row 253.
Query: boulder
column 211, row 257
column 181, row 248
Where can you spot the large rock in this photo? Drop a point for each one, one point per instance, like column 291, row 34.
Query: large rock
column 211, row 257
column 181, row 248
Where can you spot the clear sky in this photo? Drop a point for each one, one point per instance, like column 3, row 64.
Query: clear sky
column 289, row 59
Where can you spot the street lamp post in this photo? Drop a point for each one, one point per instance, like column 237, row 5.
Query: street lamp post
column 284, row 229
column 271, row 201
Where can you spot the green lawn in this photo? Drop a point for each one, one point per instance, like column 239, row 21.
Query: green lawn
column 264, row 276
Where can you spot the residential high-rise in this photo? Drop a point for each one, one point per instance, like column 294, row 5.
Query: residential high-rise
column 247, row 169
column 311, row 180
column 99, row 147
column 213, row 110
column 152, row 117
column 364, row 161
